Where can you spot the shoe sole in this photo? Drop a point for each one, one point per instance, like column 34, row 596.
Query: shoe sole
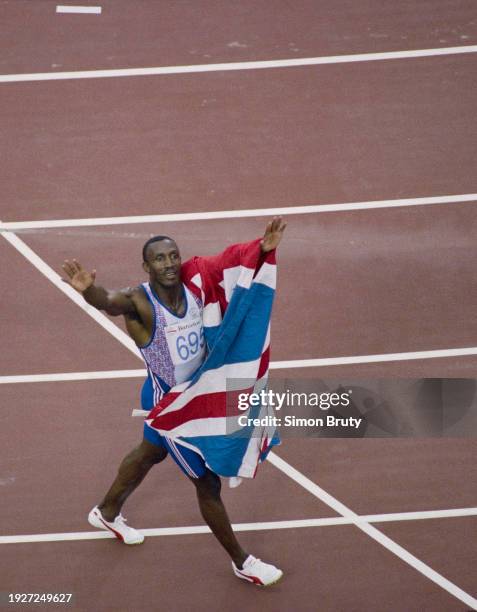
column 275, row 581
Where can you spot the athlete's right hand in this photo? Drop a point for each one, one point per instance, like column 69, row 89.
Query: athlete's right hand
column 79, row 278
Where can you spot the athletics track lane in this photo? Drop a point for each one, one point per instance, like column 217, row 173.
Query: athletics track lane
column 327, row 569
column 167, row 32
column 356, row 283
column 230, row 141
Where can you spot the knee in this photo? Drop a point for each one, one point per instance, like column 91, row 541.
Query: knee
column 155, row 456
column 209, row 485
column 147, row 455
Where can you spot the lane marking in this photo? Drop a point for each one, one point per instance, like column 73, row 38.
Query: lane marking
column 419, row 515
column 228, row 66
column 274, row 365
column 79, row 9
column 331, row 361
column 234, row 214
column 261, row 526
column 71, row 376
column 361, row 523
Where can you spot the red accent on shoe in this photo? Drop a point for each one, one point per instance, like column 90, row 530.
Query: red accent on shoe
column 116, row 533
column 253, row 579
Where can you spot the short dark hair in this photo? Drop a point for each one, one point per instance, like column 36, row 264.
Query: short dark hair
column 150, row 241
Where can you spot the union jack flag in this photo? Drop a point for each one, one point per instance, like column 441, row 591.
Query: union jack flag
column 237, row 289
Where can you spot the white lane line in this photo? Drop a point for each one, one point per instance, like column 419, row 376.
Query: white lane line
column 261, row 526
column 332, row 361
column 172, row 531
column 419, row 515
column 71, row 376
column 227, row 66
column 96, row 10
column 274, row 365
column 52, row 276
column 372, row 532
column 235, row 214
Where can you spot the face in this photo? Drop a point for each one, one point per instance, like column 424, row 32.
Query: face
column 163, row 263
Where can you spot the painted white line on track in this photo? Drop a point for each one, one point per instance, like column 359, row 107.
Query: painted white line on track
column 235, row 214
column 228, row 66
column 419, row 515
column 269, row 525
column 95, row 10
column 274, row 365
column 52, row 276
column 71, row 376
column 168, row 531
column 361, row 523
column 411, row 356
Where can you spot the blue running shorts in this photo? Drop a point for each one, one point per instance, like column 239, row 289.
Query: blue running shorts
column 190, row 462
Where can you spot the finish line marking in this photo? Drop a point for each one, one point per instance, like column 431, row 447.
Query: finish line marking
column 361, row 523
column 79, row 9
column 295, row 524
column 235, row 214
column 274, row 365
column 227, row 66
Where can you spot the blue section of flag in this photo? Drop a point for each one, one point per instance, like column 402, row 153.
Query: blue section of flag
column 241, row 335
column 224, row 453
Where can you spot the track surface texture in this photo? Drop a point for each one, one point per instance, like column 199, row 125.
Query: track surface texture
column 380, row 286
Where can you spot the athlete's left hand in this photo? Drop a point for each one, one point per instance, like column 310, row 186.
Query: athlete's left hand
column 273, row 234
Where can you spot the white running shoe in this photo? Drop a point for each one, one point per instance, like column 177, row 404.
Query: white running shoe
column 258, row 572
column 122, row 531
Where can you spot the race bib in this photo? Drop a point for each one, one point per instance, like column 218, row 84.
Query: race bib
column 186, row 342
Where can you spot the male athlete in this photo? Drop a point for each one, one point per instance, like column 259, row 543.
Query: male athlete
column 154, row 312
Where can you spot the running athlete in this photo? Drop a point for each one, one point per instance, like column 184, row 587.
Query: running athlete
column 164, row 318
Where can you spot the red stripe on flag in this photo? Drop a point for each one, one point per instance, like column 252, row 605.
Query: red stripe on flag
column 264, row 361
column 205, row 406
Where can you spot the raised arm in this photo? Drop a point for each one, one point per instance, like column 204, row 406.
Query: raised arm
column 241, row 254
column 113, row 302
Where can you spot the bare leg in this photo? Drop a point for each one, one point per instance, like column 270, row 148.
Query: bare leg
column 132, row 471
column 214, row 514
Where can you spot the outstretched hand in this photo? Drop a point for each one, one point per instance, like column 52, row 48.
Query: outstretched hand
column 273, row 234
column 79, row 278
